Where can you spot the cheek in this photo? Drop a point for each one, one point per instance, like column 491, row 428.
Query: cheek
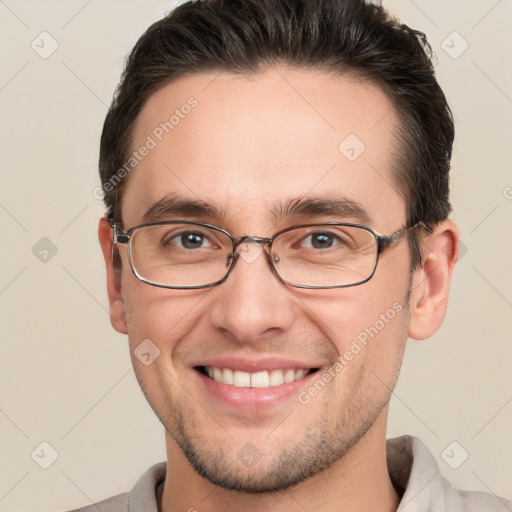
column 360, row 316
column 366, row 324
column 370, row 348
column 160, row 315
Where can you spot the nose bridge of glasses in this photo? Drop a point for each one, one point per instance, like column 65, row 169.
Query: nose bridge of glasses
column 250, row 240
column 246, row 253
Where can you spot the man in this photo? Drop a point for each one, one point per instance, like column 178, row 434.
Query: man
column 276, row 175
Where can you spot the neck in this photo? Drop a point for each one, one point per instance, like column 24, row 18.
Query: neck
column 358, row 482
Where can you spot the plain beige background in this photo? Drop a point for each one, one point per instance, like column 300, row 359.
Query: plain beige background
column 66, row 376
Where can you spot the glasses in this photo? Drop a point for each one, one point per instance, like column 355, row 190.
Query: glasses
column 182, row 254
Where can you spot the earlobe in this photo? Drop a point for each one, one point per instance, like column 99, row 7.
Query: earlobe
column 431, row 281
column 115, row 294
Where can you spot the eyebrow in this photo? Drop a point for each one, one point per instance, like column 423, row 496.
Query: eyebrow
column 331, row 205
column 172, row 206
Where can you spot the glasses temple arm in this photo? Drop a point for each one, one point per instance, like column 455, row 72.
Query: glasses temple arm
column 118, row 236
column 386, row 241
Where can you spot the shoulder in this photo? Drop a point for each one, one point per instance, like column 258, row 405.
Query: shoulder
column 142, row 498
column 415, row 473
column 458, row 500
column 118, row 503
column 476, row 501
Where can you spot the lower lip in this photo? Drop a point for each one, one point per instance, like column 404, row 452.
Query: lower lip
column 251, row 399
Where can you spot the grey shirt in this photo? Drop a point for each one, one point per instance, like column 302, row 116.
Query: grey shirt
column 412, row 468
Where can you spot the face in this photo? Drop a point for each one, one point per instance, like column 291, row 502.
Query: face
column 249, row 149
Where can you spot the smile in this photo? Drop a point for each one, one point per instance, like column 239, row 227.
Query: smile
column 261, row 379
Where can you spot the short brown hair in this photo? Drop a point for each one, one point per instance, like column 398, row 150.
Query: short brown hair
column 345, row 37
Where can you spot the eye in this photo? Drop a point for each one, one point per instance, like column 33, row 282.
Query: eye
column 188, row 240
column 320, row 240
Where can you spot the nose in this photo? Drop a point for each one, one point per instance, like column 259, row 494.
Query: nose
column 252, row 304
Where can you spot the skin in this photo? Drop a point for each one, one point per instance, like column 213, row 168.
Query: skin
column 250, row 144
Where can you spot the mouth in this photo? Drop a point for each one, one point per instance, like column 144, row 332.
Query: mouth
column 260, row 379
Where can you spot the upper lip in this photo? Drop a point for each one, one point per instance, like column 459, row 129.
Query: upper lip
column 255, row 365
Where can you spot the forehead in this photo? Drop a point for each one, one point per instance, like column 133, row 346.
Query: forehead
column 249, row 144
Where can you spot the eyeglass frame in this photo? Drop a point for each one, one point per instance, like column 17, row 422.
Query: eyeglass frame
column 382, row 241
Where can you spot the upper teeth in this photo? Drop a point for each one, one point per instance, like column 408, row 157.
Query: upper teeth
column 263, row 379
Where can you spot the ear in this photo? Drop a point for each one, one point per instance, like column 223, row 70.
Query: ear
column 115, row 294
column 431, row 281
